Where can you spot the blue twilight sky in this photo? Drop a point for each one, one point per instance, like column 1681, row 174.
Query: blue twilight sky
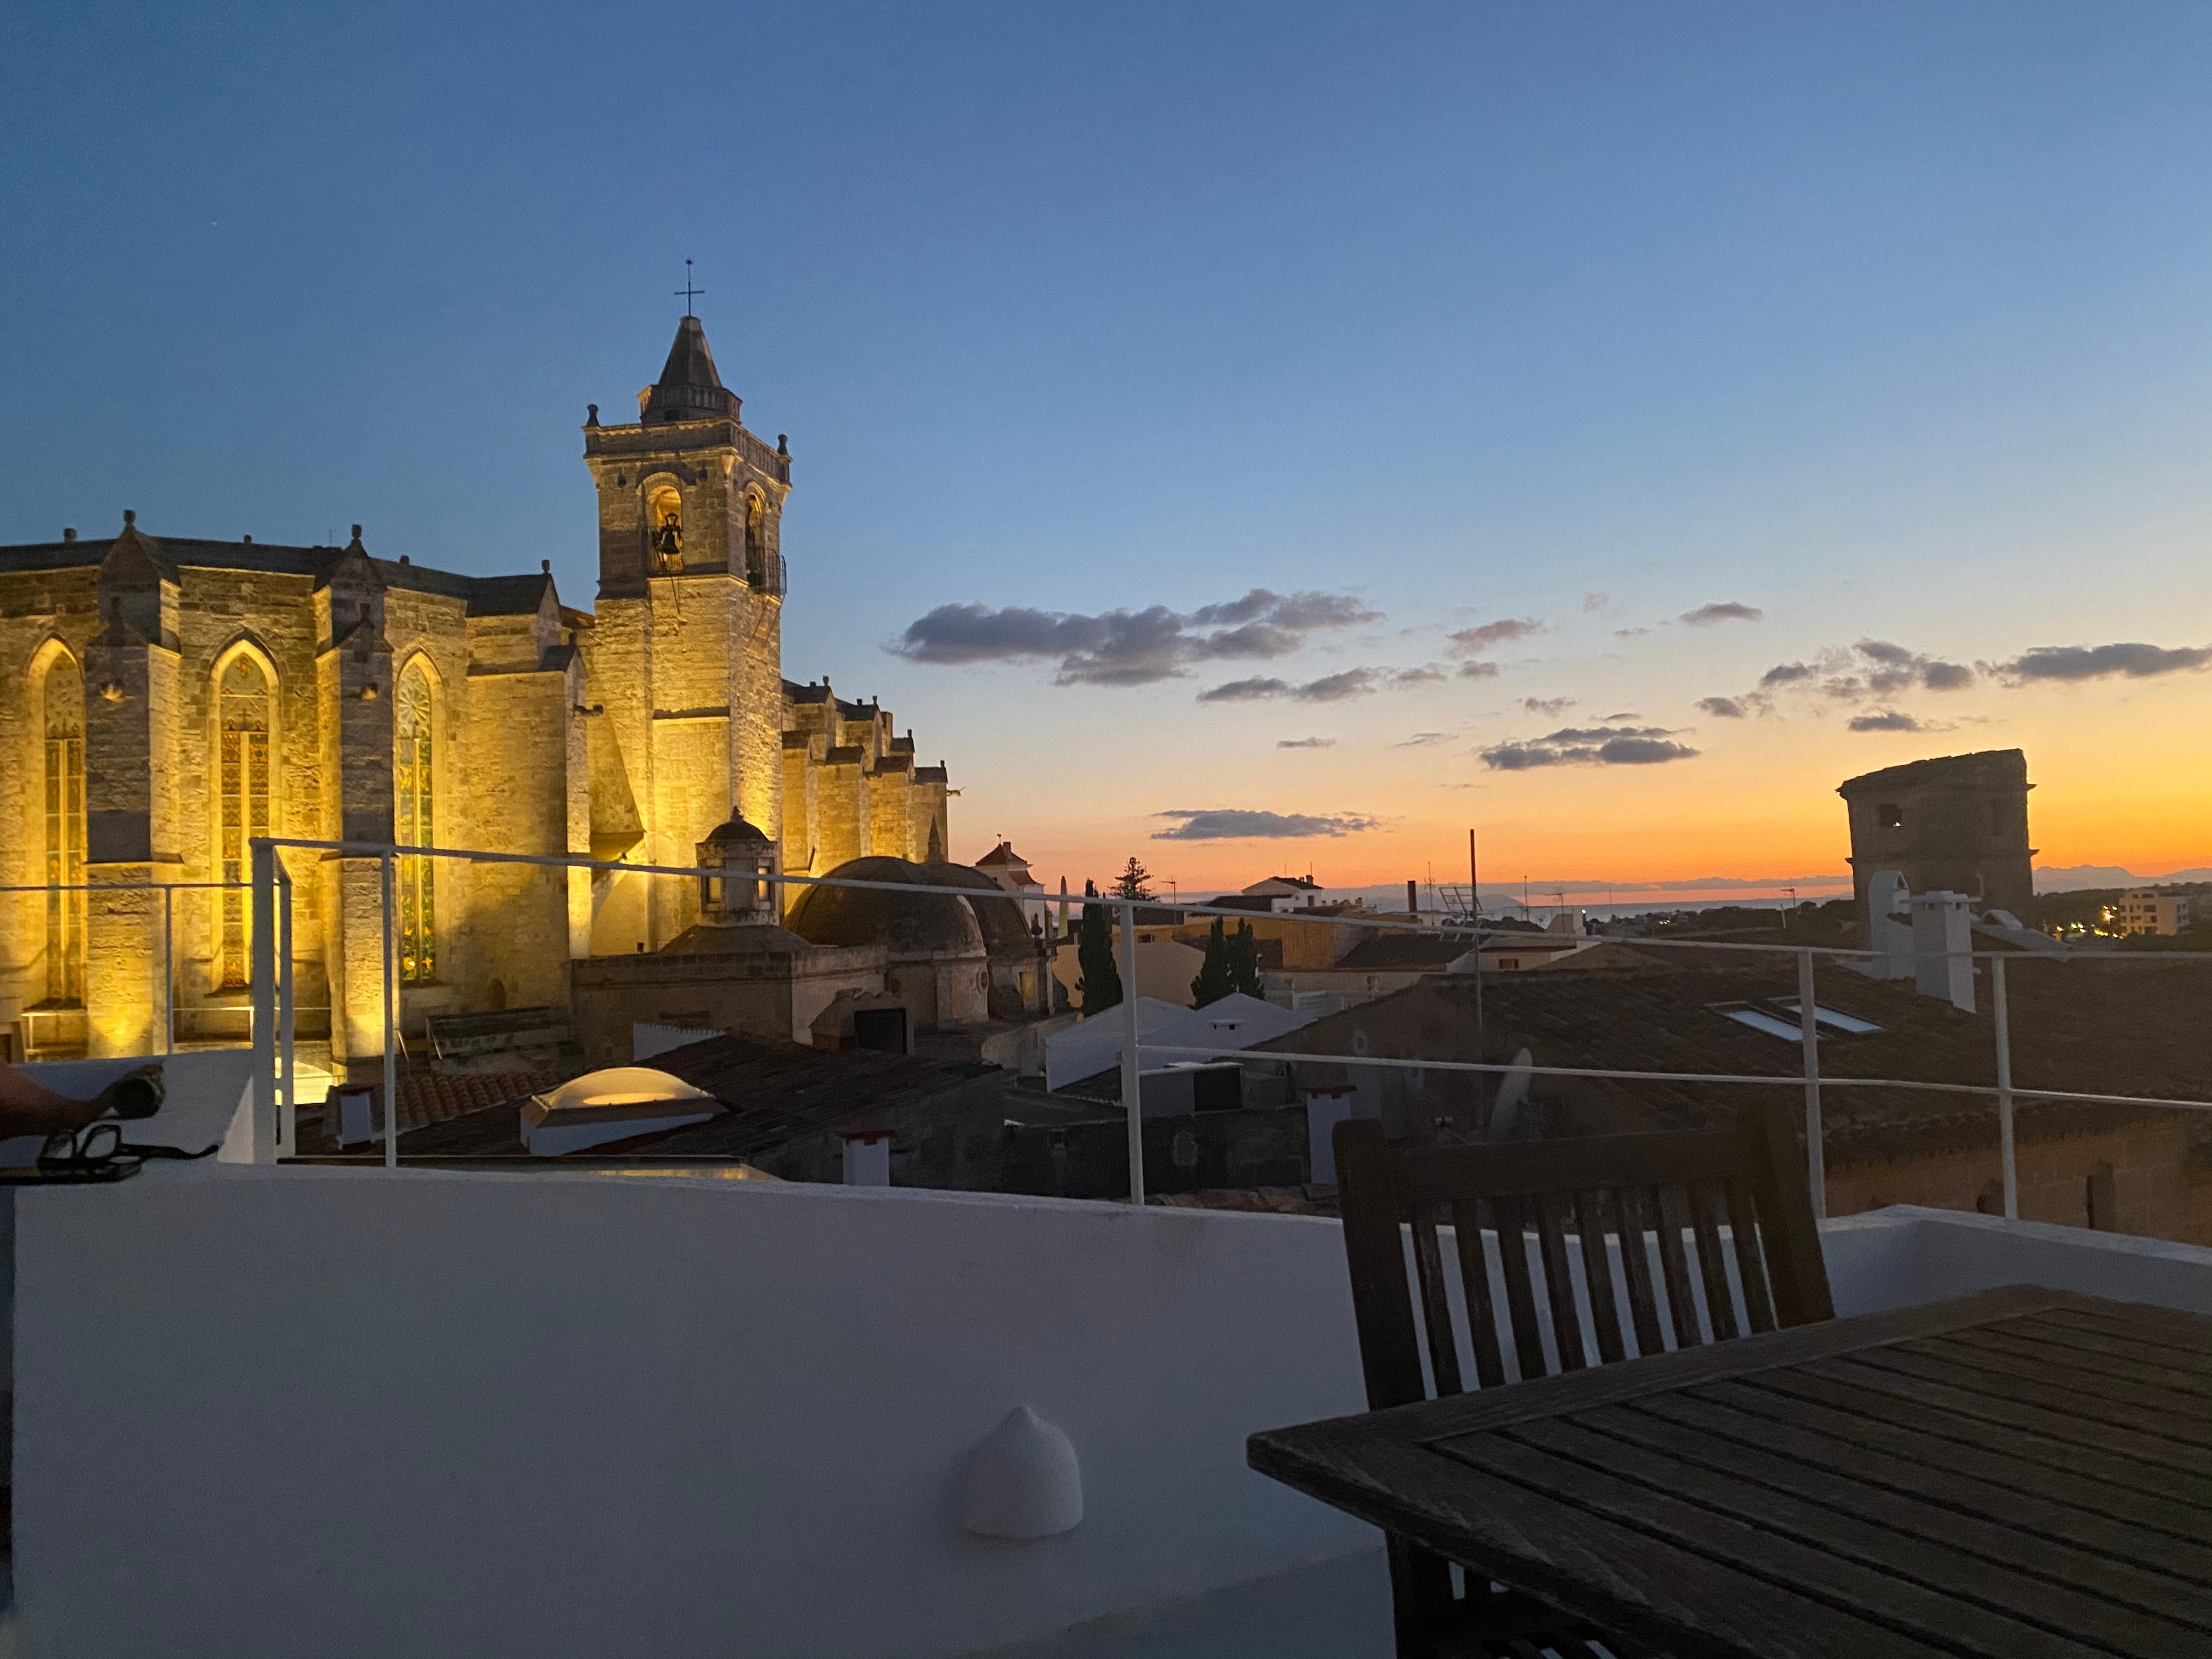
column 1885, row 321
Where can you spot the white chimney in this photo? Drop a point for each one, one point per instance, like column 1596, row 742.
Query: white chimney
column 1889, row 926
column 867, row 1156
column 1326, row 1108
column 1943, row 948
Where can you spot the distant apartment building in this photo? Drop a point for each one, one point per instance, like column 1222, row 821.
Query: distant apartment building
column 2146, row 910
column 1276, row 893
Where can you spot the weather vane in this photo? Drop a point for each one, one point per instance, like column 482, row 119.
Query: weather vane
column 687, row 291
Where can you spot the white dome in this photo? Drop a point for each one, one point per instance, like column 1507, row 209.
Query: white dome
column 620, row 1085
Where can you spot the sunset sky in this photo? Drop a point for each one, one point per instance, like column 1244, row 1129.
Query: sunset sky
column 1271, row 437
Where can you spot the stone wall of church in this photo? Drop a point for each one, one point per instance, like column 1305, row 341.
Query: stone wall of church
column 35, row 607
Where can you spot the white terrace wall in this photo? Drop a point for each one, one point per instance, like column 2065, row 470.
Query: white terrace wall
column 275, row 1412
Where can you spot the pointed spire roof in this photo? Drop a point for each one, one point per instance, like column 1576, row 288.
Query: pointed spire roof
column 690, row 388
column 134, row 558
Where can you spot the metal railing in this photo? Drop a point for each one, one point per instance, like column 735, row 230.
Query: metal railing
column 273, row 1023
column 168, row 890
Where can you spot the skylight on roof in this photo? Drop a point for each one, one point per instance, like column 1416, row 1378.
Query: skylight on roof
column 1782, row 1019
column 1850, row 1024
column 1759, row 1020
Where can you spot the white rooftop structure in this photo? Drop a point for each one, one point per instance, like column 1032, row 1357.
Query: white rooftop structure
column 1235, row 1021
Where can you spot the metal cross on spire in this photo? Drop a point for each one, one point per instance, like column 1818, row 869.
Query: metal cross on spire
column 687, row 292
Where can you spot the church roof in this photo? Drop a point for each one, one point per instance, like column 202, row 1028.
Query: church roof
column 691, row 361
column 909, row 923
column 690, row 388
column 484, row 596
column 506, row 596
column 736, row 832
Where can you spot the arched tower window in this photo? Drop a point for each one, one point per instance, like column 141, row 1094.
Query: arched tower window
column 415, row 823
column 242, row 764
column 755, row 542
column 64, row 700
column 663, row 529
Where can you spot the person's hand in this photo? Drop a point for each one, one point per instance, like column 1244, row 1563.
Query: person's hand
column 103, row 1103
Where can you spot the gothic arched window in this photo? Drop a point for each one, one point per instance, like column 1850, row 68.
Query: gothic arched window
column 242, row 764
column 415, row 823
column 64, row 700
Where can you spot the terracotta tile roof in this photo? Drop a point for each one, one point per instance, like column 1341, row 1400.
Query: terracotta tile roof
column 1383, row 952
column 776, row 1091
column 434, row 1098
column 1312, row 1199
column 2111, row 1028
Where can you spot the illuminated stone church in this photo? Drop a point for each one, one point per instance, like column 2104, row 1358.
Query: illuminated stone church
column 164, row 699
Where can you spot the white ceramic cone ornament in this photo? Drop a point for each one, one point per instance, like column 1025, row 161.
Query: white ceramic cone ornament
column 1023, row 1481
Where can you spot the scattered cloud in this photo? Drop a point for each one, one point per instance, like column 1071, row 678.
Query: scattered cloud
column 1628, row 714
column 1226, row 824
column 1588, row 746
column 1888, row 720
column 1788, row 673
column 1597, row 734
column 1305, row 743
column 1596, row 604
column 1724, row 709
column 1128, row 648
column 1423, row 739
column 1884, row 670
column 1468, row 642
column 1330, row 688
column 1548, row 705
column 1477, row 671
column 1335, row 688
column 2130, row 660
column 1629, row 633
column 1726, row 611
column 1245, row 690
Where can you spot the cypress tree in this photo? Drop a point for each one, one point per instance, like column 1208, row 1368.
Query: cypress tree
column 1100, row 984
column 1241, row 956
column 1213, row 982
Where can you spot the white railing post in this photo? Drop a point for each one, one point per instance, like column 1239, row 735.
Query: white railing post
column 1132, row 1093
column 168, row 970
column 288, row 1127
column 390, row 1021
column 263, row 865
column 1808, row 1029
column 2004, row 1088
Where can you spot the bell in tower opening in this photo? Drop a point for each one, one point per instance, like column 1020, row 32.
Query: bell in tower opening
column 665, row 518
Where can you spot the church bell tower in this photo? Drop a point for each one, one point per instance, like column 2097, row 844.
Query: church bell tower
column 687, row 659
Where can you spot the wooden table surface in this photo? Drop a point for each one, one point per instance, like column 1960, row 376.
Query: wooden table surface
column 2021, row 1473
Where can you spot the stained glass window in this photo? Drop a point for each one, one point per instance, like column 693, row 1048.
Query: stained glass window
column 242, row 782
column 64, row 798
column 413, row 772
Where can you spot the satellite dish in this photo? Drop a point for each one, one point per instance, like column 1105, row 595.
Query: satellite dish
column 1512, row 1095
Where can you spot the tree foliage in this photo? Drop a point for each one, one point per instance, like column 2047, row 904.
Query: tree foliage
column 1134, row 882
column 1213, row 981
column 1100, row 983
column 1241, row 956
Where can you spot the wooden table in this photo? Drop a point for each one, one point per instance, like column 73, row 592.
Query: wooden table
column 2021, row 1473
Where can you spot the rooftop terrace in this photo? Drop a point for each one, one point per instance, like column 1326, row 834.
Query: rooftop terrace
column 265, row 1409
